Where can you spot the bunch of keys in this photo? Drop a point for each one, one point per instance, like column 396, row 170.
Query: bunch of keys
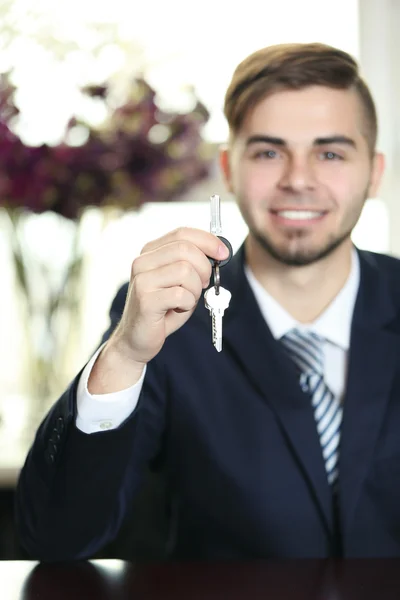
column 217, row 298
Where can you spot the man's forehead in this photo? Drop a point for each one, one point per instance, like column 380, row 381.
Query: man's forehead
column 316, row 101
column 309, row 113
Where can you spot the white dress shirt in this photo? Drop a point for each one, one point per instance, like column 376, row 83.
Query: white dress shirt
column 107, row 411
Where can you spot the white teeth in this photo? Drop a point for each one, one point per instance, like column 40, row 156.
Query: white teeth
column 299, row 214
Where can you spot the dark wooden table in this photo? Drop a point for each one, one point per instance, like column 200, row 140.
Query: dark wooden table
column 269, row 580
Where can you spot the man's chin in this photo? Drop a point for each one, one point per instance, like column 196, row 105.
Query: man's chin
column 300, row 257
column 298, row 260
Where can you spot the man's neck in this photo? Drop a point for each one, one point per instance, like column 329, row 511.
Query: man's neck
column 304, row 292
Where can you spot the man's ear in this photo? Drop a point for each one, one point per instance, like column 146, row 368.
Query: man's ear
column 224, row 163
column 378, row 168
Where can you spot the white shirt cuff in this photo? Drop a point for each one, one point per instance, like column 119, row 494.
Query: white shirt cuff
column 101, row 412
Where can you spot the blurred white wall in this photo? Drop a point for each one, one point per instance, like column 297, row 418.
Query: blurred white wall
column 379, row 26
column 182, row 47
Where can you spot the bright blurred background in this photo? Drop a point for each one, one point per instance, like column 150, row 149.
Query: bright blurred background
column 78, row 82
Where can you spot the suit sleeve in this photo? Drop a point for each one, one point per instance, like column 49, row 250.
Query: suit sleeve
column 75, row 489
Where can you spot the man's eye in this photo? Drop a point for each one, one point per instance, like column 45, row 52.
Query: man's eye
column 266, row 154
column 329, row 155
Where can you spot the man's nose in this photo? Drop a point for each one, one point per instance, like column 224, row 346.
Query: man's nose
column 298, row 175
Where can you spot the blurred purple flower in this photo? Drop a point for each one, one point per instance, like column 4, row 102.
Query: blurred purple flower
column 125, row 163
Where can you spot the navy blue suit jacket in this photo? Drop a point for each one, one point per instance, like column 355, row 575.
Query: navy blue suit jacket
column 236, row 439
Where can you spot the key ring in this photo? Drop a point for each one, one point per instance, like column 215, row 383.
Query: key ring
column 217, row 277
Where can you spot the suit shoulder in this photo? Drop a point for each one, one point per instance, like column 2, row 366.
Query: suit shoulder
column 387, row 268
column 386, row 263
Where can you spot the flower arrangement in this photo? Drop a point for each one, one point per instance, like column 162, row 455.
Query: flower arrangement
column 139, row 154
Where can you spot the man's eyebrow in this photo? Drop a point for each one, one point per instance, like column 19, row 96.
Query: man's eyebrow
column 265, row 139
column 322, row 141
column 335, row 139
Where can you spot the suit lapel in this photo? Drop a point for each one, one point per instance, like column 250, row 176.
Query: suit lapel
column 374, row 356
column 272, row 373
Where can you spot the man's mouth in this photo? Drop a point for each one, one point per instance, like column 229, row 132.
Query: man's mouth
column 299, row 215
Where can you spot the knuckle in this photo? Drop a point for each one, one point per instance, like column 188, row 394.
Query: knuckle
column 145, row 248
column 180, row 295
column 208, row 269
column 181, row 232
column 183, row 248
column 139, row 285
column 186, row 270
column 135, row 267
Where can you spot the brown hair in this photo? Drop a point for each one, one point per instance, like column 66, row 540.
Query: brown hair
column 295, row 66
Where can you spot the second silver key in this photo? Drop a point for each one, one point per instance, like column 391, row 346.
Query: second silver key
column 217, row 304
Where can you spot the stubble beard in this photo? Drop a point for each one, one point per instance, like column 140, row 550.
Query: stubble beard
column 299, row 257
column 296, row 254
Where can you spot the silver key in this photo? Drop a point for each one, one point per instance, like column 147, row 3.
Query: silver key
column 215, row 224
column 217, row 304
column 216, row 229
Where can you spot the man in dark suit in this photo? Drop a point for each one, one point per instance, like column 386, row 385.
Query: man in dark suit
column 286, row 443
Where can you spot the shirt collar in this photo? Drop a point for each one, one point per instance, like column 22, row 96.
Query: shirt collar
column 334, row 324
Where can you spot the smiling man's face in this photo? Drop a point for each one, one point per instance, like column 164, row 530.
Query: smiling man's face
column 301, row 170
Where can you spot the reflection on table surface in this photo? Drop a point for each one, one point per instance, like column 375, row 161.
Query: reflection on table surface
column 273, row 580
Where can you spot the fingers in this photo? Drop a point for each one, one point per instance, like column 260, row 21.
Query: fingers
column 208, row 243
column 178, row 253
column 179, row 277
column 174, row 298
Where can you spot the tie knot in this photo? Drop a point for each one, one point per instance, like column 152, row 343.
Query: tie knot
column 305, row 348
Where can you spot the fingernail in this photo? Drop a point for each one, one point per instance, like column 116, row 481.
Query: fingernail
column 223, row 251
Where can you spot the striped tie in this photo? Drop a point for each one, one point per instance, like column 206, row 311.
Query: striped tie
column 305, row 349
